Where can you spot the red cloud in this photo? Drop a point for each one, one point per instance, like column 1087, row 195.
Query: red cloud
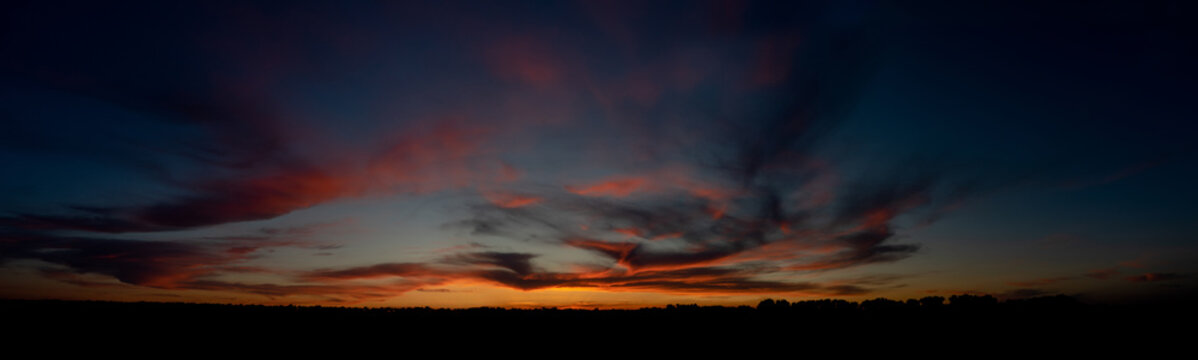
column 507, row 200
column 1154, row 277
column 446, row 154
column 672, row 178
column 617, row 187
column 774, row 59
column 433, row 158
column 254, row 198
column 631, row 232
column 526, row 60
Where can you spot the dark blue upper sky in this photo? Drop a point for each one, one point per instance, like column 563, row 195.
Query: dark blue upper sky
column 596, row 152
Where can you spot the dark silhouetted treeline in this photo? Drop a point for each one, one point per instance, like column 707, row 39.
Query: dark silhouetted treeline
column 971, row 317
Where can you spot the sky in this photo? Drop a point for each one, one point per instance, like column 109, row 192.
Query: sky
column 596, row 154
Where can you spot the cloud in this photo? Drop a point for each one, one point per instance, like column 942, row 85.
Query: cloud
column 618, row 187
column 773, row 60
column 372, row 272
column 514, row 270
column 1023, row 293
column 670, row 230
column 859, row 249
column 1155, row 277
column 77, row 279
column 357, row 292
column 199, row 265
column 420, row 160
column 526, row 60
column 1143, row 165
column 510, row 200
column 1103, row 274
column 519, row 263
column 148, row 263
column 210, row 203
column 1040, row 282
column 434, row 290
column 169, row 264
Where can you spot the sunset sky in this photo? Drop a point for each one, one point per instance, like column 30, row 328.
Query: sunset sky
column 596, row 153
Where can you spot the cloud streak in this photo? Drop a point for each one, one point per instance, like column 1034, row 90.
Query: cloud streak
column 418, row 161
column 516, row 271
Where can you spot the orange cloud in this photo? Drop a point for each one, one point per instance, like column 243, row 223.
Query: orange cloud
column 672, row 178
column 508, row 200
column 513, row 270
column 617, row 187
column 631, row 232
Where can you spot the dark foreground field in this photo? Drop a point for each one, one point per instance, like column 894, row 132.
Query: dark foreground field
column 1048, row 320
